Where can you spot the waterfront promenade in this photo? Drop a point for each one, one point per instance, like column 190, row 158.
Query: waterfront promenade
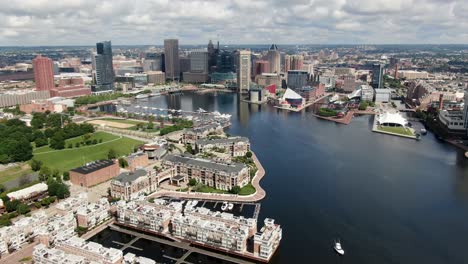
column 255, row 197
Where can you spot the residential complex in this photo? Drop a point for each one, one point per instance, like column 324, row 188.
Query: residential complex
column 234, row 146
column 222, row 176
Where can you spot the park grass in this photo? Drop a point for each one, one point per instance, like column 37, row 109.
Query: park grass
column 97, row 135
column 67, row 159
column 14, row 172
column 396, row 130
column 123, row 121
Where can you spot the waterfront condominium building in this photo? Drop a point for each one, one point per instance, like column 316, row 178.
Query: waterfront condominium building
column 171, row 57
column 377, row 76
column 92, row 251
column 243, row 71
column 274, row 59
column 43, row 73
column 222, row 176
column 104, row 71
column 234, row 146
column 267, row 240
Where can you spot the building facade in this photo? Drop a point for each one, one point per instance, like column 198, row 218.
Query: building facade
column 377, row 76
column 243, row 71
column 234, row 146
column 171, row 57
column 43, row 73
column 219, row 175
column 94, row 173
column 104, row 70
column 274, row 59
column 297, row 79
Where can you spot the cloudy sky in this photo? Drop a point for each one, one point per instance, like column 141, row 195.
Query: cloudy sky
column 84, row 22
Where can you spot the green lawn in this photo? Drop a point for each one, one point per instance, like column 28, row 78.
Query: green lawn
column 98, row 135
column 247, row 190
column 396, row 130
column 123, row 121
column 67, row 159
column 14, row 172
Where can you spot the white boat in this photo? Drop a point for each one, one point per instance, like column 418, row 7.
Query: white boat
column 338, row 248
column 201, row 110
column 423, row 131
column 224, row 206
column 194, row 202
column 230, row 206
column 142, row 96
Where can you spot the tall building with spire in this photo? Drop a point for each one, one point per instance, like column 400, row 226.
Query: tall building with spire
column 243, row 71
column 43, row 73
column 274, row 59
column 171, row 56
column 104, row 69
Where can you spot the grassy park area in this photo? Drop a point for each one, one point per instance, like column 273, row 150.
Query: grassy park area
column 70, row 158
column 396, row 130
column 14, row 172
column 101, row 137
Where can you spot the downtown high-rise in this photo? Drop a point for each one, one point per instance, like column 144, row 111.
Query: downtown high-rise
column 243, row 71
column 104, row 71
column 274, row 59
column 43, row 73
column 171, row 56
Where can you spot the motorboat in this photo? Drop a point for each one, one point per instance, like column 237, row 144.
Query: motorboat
column 201, row 110
column 230, row 206
column 194, row 202
column 423, row 131
column 224, row 206
column 142, row 96
column 338, row 248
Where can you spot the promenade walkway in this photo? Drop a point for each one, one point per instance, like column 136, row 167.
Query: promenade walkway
column 255, row 197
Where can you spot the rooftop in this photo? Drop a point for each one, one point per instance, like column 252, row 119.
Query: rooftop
column 129, row 176
column 93, row 166
column 199, row 162
column 222, row 140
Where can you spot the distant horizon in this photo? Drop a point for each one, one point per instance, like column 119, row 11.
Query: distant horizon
column 221, row 45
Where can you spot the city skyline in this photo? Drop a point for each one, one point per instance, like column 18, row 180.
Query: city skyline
column 234, row 22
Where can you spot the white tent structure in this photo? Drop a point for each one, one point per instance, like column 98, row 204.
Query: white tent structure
column 292, row 98
column 392, row 119
column 290, row 94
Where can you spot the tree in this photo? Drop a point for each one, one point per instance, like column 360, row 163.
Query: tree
column 41, row 141
column 150, row 125
column 44, row 173
column 2, row 188
column 58, row 189
column 55, row 173
column 38, row 120
column 23, row 209
column 189, row 148
column 123, row 163
column 12, row 205
column 77, row 144
column 112, row 154
column 248, row 154
column 70, row 145
column 66, row 176
column 35, row 164
column 58, row 141
column 235, row 190
column 192, row 182
column 22, row 150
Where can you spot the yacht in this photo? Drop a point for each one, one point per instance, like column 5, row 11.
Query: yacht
column 194, row 202
column 224, row 206
column 338, row 248
column 423, row 131
column 142, row 96
column 230, row 206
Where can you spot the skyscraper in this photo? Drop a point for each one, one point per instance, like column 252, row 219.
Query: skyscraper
column 171, row 55
column 274, row 59
column 243, row 71
column 260, row 67
column 104, row 75
column 43, row 73
column 377, row 75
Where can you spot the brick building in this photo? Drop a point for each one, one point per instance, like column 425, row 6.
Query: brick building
column 94, row 173
column 137, row 160
column 70, row 87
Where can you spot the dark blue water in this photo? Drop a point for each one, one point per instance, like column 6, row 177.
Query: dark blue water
column 389, row 199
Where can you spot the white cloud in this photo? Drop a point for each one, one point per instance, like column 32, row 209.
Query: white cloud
column 84, row 22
